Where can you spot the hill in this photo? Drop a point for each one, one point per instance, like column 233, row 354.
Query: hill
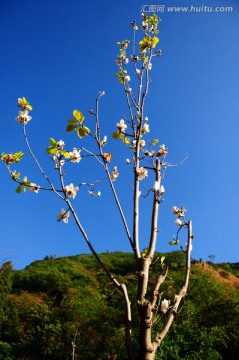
column 224, row 276
column 54, row 302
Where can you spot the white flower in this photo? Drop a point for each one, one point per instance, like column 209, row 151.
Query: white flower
column 127, row 78
column 126, row 60
column 129, row 89
column 164, row 305
column 102, row 93
column 162, row 151
column 162, row 190
column 91, row 192
column 8, row 159
column 75, row 156
column 143, row 173
column 152, row 29
column 60, row 144
column 104, row 141
column 156, row 186
column 178, row 212
column 34, row 188
column 145, row 128
column 122, row 126
column 149, row 66
column 128, row 161
column 145, row 25
column 141, row 143
column 138, row 71
column 114, row 174
column 23, row 117
column 178, row 222
column 63, row 216
column 71, row 190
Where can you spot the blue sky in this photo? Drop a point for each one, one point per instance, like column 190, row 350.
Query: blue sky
column 59, row 55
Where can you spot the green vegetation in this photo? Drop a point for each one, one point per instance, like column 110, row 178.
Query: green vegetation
column 54, row 302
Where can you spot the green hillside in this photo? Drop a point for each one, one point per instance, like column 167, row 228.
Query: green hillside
column 54, row 302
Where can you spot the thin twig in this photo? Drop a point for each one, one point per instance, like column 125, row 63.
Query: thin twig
column 37, row 163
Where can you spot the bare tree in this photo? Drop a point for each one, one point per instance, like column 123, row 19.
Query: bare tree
column 148, row 163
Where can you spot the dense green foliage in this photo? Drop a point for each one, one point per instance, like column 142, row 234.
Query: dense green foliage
column 54, row 302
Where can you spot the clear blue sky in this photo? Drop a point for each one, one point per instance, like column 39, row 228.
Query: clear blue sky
column 59, row 54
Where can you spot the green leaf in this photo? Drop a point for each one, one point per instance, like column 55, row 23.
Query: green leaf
column 79, row 116
column 73, row 121
column 65, row 154
column 154, row 41
column 51, row 150
column 173, row 242
column 18, row 189
column 117, row 135
column 155, row 141
column 52, row 141
column 71, row 128
column 86, row 130
column 18, row 156
column 126, row 141
column 15, row 175
column 80, row 132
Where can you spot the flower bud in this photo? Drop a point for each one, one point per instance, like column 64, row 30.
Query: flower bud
column 164, row 305
column 178, row 222
column 156, row 186
column 127, row 78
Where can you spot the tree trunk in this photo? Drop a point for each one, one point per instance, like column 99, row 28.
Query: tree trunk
column 146, row 348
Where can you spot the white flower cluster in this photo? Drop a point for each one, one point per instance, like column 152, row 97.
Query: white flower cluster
column 180, row 213
column 143, row 173
column 158, row 188
column 141, row 143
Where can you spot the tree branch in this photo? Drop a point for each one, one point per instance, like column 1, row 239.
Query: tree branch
column 182, row 293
